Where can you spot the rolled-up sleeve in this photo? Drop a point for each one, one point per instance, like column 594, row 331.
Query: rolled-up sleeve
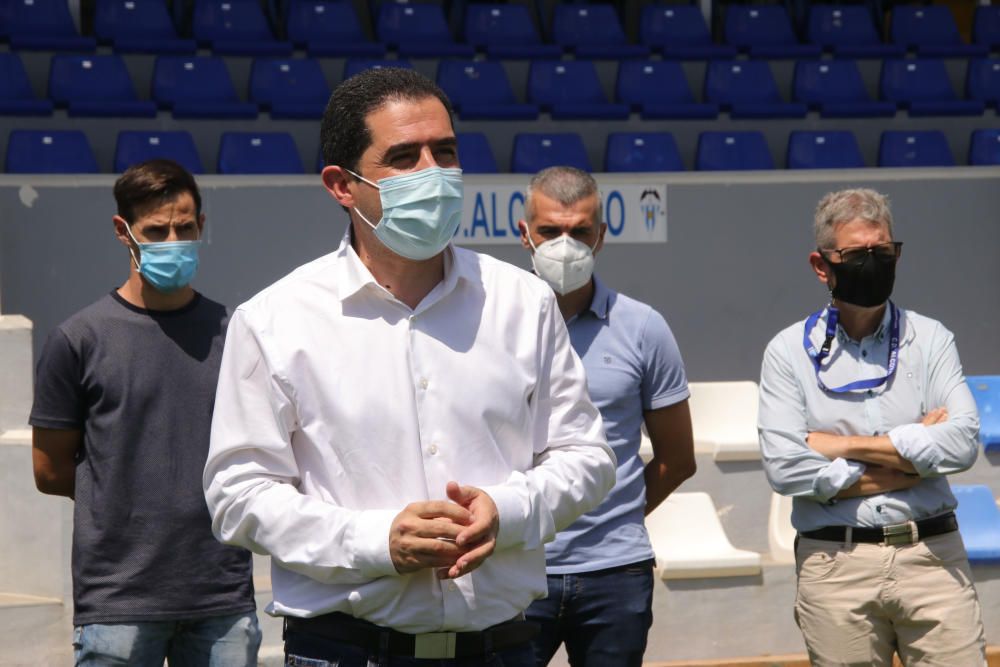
column 251, row 476
column 792, row 468
column 574, row 468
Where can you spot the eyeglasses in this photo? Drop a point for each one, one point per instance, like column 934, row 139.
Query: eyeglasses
column 886, row 251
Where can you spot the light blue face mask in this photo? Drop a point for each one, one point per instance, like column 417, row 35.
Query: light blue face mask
column 167, row 265
column 420, row 211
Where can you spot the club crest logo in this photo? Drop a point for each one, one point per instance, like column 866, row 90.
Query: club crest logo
column 651, row 206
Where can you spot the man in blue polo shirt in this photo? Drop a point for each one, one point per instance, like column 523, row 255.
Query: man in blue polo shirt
column 600, row 569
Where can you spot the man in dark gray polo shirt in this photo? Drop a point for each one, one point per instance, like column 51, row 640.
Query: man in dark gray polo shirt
column 123, row 404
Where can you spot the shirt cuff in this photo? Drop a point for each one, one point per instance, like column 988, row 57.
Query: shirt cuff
column 915, row 444
column 371, row 543
column 836, row 477
column 513, row 517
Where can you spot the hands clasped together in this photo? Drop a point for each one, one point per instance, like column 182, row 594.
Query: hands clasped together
column 453, row 536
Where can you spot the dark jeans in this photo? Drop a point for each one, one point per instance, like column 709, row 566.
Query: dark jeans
column 603, row 617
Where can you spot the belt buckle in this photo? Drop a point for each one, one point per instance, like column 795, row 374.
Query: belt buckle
column 900, row 533
column 434, row 645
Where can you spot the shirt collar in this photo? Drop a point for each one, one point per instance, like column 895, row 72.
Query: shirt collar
column 880, row 332
column 601, row 302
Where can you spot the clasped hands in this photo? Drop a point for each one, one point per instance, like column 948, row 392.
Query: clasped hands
column 453, row 536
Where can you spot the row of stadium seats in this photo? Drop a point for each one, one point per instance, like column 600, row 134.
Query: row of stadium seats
column 68, row 151
column 200, row 86
column 332, row 27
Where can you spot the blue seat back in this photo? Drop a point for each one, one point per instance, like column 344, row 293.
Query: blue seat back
column 652, row 82
column 258, row 153
column 924, row 25
column 475, row 154
column 926, row 148
column 331, row 21
column 193, row 79
column 100, row 78
column 412, row 24
column 733, row 82
column 919, row 80
column 288, row 80
column 642, row 152
column 148, row 19
column 14, row 82
column 758, row 25
column 564, row 82
column 536, row 151
column 986, row 25
column 984, row 149
column 49, row 152
column 500, row 24
column 842, row 25
column 135, row 147
column 824, row 150
column 986, row 391
column 40, row 18
column 586, row 25
column 673, row 25
column 982, row 81
column 232, row 20
column 818, row 81
column 353, row 66
column 732, row 151
column 475, row 82
column 978, row 522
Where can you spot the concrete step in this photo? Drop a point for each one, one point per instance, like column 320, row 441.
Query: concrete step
column 35, row 631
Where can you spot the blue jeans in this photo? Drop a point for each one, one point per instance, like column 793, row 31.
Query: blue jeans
column 216, row 641
column 603, row 617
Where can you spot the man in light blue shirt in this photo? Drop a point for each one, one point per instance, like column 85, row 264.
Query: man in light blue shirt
column 863, row 412
column 601, row 567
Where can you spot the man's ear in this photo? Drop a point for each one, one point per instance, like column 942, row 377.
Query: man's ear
column 336, row 181
column 821, row 268
column 201, row 224
column 601, row 231
column 522, row 226
column 120, row 233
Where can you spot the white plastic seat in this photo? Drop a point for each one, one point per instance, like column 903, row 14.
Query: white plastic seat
column 690, row 543
column 724, row 419
column 780, row 534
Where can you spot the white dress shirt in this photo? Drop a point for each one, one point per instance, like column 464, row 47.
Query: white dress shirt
column 338, row 405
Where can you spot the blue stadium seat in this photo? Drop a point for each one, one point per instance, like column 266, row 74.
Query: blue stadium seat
column 978, row 522
column 986, row 390
column 836, row 89
column 765, row 31
column 680, row 31
column 418, row 30
column 536, row 151
column 931, row 31
column 354, row 65
column 235, row 27
column 571, row 89
column 95, row 86
column 823, row 150
column 982, row 80
column 659, row 89
column 49, row 152
column 849, row 31
column 922, row 86
column 16, row 96
column 44, row 25
column 593, row 31
column 258, row 153
column 138, row 26
column 481, row 90
column 747, row 89
column 289, row 88
column 986, row 26
column 198, row 87
column 475, row 154
column 984, row 150
column 506, row 31
column 642, row 151
column 329, row 28
column 134, row 147
column 927, row 148
column 732, row 151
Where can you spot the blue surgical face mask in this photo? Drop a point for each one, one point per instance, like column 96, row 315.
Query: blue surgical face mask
column 420, row 211
column 168, row 265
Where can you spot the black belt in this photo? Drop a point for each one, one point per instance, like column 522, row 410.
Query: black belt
column 897, row 533
column 302, row 632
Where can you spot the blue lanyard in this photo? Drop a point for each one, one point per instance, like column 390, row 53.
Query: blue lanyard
column 817, row 356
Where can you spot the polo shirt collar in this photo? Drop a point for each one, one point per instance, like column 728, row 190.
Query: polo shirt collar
column 601, row 303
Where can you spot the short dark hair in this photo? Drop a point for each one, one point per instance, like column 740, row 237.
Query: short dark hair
column 152, row 183
column 344, row 133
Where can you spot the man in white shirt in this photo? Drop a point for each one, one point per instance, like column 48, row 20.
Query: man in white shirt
column 402, row 424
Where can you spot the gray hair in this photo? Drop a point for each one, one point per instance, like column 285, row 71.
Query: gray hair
column 845, row 205
column 567, row 185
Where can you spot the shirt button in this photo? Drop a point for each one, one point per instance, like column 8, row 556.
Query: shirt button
column 452, row 586
column 432, row 450
column 424, row 383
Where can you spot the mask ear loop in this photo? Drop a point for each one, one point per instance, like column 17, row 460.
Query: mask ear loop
column 356, row 209
column 131, row 252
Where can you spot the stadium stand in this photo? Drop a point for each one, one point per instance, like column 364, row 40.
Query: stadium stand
column 43, row 25
column 680, row 31
column 823, row 150
column 258, row 153
column 16, row 96
column 418, row 30
column 354, row 65
column 139, row 26
column 724, row 419
column 835, row 88
column 986, row 390
column 481, row 90
column 329, row 28
column 659, row 89
column 642, row 151
column 571, row 89
column 289, row 88
column 984, row 148
column 134, row 147
column 982, row 81
column 593, row 31
column 198, row 87
column 49, row 152
column 923, row 88
column 747, row 89
column 534, row 151
column 978, row 522
column 732, row 151
column 986, row 26
column 848, row 31
column 475, row 154
column 780, row 533
column 765, row 31
column 95, row 85
column 930, row 30
column 235, row 27
column 922, row 148
column 506, row 31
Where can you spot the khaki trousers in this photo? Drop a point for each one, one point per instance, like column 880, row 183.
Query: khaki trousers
column 856, row 604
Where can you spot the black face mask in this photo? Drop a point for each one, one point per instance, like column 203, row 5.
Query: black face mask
column 865, row 282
